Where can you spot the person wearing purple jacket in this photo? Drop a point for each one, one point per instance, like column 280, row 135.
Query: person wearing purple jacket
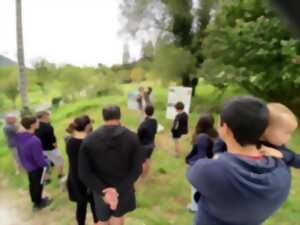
column 33, row 161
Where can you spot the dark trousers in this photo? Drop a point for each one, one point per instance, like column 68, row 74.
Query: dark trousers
column 35, row 186
column 81, row 211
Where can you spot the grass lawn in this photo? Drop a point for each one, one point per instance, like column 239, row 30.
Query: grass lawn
column 163, row 197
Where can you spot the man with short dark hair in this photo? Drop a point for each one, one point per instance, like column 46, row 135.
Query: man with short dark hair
column 33, row 161
column 241, row 186
column 110, row 162
column 46, row 134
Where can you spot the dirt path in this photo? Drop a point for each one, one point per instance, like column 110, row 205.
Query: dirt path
column 15, row 208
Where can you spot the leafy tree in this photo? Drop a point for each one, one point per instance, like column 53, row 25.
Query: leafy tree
column 124, row 76
column 172, row 22
column 137, row 75
column 45, row 73
column 248, row 45
column 73, row 81
column 164, row 64
column 9, row 87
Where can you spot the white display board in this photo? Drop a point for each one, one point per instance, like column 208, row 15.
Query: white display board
column 178, row 94
column 131, row 100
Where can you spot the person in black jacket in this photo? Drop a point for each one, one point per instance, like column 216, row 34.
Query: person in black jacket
column 146, row 133
column 78, row 192
column 110, row 162
column 45, row 132
column 180, row 126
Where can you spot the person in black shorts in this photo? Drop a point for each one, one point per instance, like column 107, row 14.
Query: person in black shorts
column 180, row 126
column 110, row 162
column 146, row 133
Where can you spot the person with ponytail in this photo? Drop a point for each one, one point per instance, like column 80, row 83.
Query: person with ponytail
column 202, row 141
column 78, row 192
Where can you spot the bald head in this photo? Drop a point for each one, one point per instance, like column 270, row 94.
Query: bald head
column 10, row 119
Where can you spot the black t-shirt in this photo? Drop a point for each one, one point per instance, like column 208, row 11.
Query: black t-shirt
column 47, row 136
column 147, row 131
column 180, row 125
column 77, row 190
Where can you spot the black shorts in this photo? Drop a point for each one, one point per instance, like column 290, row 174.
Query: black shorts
column 127, row 203
column 148, row 151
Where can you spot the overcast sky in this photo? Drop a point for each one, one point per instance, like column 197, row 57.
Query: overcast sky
column 81, row 32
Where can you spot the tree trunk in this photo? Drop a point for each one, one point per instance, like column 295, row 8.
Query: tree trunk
column 20, row 52
column 187, row 82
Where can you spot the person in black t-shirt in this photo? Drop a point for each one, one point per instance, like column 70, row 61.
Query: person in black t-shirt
column 146, row 133
column 180, row 126
column 45, row 132
column 78, row 192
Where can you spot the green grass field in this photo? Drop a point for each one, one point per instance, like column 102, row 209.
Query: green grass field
column 163, row 197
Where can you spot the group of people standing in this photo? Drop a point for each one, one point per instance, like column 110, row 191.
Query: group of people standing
column 239, row 173
column 34, row 147
column 103, row 164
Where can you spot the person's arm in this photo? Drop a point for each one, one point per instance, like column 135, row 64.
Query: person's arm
column 136, row 165
column 149, row 91
column 37, row 154
column 219, row 146
column 86, row 173
column 207, row 177
column 141, row 131
column 291, row 158
column 175, row 126
column 202, row 146
column 51, row 136
column 199, row 151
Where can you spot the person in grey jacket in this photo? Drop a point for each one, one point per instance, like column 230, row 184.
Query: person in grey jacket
column 10, row 131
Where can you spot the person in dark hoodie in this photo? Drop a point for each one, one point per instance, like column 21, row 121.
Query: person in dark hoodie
column 33, row 161
column 110, row 162
column 241, row 186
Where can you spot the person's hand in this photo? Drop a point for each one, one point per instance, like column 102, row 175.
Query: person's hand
column 111, row 197
column 267, row 151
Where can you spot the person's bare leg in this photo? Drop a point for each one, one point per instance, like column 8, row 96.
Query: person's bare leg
column 116, row 221
column 102, row 223
column 60, row 170
column 177, row 147
column 146, row 168
column 18, row 167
